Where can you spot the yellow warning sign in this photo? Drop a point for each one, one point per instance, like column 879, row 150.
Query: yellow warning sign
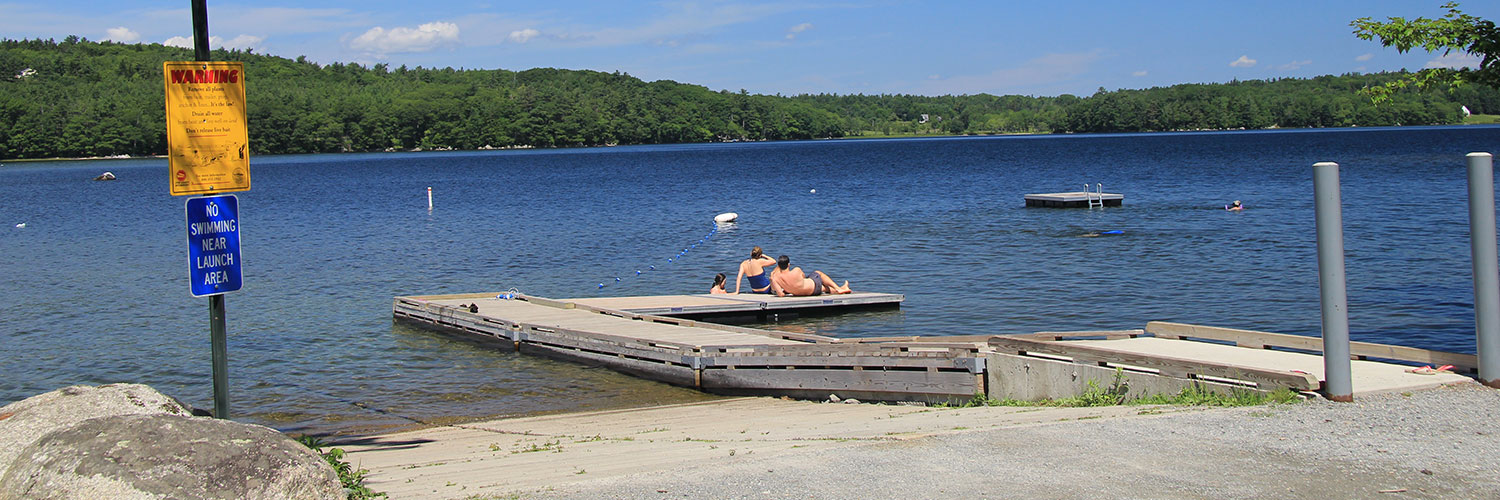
column 208, row 143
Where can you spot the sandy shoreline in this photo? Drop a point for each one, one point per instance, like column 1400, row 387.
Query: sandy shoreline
column 1439, row 443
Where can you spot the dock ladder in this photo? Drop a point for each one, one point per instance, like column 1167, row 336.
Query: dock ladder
column 1096, row 198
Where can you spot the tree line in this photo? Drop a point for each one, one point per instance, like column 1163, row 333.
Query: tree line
column 78, row 98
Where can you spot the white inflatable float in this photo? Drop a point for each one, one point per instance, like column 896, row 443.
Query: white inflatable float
column 726, row 217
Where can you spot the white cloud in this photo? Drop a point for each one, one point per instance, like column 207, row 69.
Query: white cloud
column 1139, row 73
column 521, row 36
column 1365, row 57
column 239, row 42
column 794, row 30
column 424, row 38
column 121, row 34
column 1454, row 60
column 1293, row 65
column 1048, row 69
column 1242, row 62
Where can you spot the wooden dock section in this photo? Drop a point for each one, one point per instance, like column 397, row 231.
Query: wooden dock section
column 1075, row 199
column 754, row 307
column 717, row 358
column 650, row 337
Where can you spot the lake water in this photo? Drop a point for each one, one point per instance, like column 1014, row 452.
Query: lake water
column 94, row 287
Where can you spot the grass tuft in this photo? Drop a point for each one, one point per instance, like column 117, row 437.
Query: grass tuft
column 352, row 479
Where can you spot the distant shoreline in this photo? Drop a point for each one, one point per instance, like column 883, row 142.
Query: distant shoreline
column 1475, row 120
column 84, row 158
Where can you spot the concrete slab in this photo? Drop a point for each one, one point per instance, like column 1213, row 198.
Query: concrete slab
column 531, row 454
column 1369, row 377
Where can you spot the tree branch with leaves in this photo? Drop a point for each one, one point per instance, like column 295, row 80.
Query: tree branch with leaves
column 1455, row 31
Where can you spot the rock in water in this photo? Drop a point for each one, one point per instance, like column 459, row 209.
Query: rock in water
column 168, row 456
column 24, row 422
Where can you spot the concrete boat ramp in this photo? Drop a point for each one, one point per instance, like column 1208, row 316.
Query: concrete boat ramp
column 657, row 337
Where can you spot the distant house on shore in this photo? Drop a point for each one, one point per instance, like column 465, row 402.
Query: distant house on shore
column 1465, row 109
column 924, row 118
column 26, row 73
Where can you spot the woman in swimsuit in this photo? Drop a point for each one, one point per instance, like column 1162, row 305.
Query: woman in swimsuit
column 754, row 268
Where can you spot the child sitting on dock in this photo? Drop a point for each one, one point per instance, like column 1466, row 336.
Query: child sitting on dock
column 787, row 280
column 718, row 288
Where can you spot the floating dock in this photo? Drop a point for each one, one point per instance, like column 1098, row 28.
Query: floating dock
column 652, row 337
column 1076, row 199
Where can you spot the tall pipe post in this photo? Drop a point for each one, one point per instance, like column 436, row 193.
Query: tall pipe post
column 217, row 329
column 1486, row 274
column 1338, row 385
column 200, row 30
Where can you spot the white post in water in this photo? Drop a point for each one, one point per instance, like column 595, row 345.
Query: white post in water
column 1486, row 274
column 1338, row 385
column 429, row 197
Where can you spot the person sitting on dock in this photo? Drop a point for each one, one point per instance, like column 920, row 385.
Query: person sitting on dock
column 755, row 269
column 787, row 280
column 1234, row 207
column 718, row 288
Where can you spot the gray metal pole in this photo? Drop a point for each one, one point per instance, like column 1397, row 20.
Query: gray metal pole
column 1338, row 385
column 200, row 30
column 216, row 324
column 218, row 344
column 1486, row 274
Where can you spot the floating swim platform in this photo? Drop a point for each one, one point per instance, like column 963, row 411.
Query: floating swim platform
column 1075, row 199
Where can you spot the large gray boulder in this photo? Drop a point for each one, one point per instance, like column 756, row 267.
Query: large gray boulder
column 168, row 457
column 129, row 441
column 24, row 422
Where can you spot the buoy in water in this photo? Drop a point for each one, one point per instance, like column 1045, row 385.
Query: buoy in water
column 726, row 217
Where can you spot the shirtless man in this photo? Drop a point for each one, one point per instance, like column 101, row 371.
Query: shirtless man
column 787, row 280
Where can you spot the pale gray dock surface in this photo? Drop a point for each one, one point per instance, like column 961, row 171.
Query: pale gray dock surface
column 638, row 336
column 1073, row 199
column 730, row 303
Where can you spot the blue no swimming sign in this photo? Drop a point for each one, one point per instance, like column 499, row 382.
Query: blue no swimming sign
column 213, row 237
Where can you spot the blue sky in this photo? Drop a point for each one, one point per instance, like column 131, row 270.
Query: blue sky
column 869, row 47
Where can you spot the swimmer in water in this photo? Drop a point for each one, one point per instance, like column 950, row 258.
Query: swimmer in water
column 1234, row 207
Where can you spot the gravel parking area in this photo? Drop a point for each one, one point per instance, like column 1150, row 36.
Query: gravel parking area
column 1439, row 443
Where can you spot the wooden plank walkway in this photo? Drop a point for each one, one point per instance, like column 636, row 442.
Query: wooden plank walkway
column 635, row 335
column 716, row 358
column 692, row 306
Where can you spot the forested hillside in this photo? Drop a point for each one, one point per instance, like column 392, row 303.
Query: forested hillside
column 80, row 98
